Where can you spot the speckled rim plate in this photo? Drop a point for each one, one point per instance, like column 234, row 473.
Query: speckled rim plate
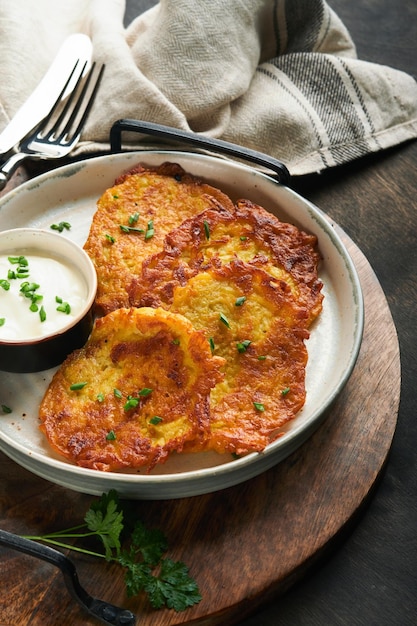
column 69, row 194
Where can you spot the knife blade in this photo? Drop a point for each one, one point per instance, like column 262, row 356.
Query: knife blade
column 76, row 47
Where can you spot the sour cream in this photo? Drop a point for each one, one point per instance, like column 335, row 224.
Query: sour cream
column 60, row 285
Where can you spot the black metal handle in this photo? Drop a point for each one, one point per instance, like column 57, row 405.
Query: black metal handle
column 281, row 173
column 104, row 611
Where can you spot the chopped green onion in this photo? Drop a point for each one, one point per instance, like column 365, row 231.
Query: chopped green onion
column 18, row 260
column 111, row 436
column 26, row 288
column 2, row 321
column 176, row 342
column 239, row 301
column 5, row 284
column 261, row 357
column 243, row 238
column 133, row 218
column 11, row 275
column 242, row 346
column 285, row 391
column 115, row 196
column 100, row 397
column 155, row 420
column 22, row 272
column 64, row 308
column 145, row 392
column 5, row 408
column 206, row 229
column 61, row 226
column 224, row 320
column 212, row 346
column 150, row 230
column 131, row 403
column 34, row 307
column 110, row 238
column 117, row 393
column 259, row 406
column 77, row 386
column 42, row 314
column 130, row 229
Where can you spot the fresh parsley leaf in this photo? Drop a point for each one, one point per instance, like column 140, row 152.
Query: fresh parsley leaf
column 106, row 520
column 151, row 543
column 173, row 587
column 166, row 582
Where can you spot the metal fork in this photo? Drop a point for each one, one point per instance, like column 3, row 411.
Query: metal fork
column 60, row 131
column 104, row 611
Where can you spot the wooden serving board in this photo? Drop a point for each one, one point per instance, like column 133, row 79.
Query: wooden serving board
column 243, row 544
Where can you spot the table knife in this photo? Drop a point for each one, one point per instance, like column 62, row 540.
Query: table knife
column 76, row 47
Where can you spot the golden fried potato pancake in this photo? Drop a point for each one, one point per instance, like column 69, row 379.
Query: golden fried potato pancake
column 259, row 328
column 131, row 222
column 218, row 235
column 137, row 390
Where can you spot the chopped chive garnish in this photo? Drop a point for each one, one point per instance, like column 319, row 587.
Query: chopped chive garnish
column 5, row 408
column 11, row 275
column 2, row 321
column 242, row 346
column 133, row 218
column 212, row 346
column 239, row 301
column 261, row 357
column 64, row 308
column 176, row 342
column 26, row 287
column 110, row 238
column 115, row 196
column 61, row 226
column 243, row 238
column 131, row 403
column 130, row 229
column 206, row 229
column 100, row 397
column 34, row 307
column 18, row 260
column 155, row 420
column 111, row 436
column 145, row 391
column 77, row 386
column 42, row 314
column 285, row 391
column 224, row 320
column 117, row 393
column 259, row 406
column 22, row 272
column 5, row 284
column 149, row 230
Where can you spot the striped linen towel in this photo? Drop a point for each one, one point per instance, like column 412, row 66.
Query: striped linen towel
column 278, row 76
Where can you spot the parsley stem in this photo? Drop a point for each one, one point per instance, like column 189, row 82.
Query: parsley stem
column 67, row 546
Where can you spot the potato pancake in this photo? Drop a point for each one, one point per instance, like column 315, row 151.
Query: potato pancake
column 207, row 305
column 131, row 222
column 218, row 235
column 258, row 328
column 136, row 391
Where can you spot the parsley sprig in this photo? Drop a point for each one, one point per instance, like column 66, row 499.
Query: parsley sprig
column 166, row 582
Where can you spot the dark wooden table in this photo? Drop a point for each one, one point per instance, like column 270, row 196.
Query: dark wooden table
column 363, row 571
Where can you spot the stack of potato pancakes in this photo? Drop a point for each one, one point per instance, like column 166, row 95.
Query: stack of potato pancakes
column 203, row 308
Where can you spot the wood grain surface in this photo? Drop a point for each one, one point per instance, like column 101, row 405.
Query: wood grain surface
column 245, row 544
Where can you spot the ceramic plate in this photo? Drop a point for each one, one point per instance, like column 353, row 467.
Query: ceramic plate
column 70, row 194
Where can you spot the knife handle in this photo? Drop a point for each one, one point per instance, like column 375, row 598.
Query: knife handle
column 10, row 166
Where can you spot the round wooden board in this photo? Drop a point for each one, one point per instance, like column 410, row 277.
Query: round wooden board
column 249, row 542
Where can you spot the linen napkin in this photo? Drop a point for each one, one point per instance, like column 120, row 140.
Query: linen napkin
column 278, row 76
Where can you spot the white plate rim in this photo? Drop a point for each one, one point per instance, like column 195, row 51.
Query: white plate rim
column 195, row 482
